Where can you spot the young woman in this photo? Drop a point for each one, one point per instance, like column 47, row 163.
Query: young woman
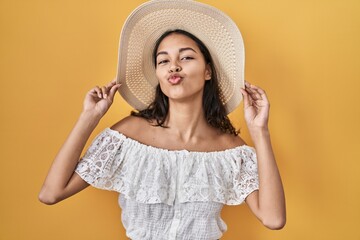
column 179, row 160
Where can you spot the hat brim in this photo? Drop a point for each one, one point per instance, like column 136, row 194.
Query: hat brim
column 144, row 26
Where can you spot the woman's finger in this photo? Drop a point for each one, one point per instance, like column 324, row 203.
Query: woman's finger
column 264, row 96
column 112, row 83
column 261, row 93
column 256, row 92
column 256, row 88
column 252, row 94
column 249, row 87
column 97, row 90
column 104, row 91
column 246, row 97
column 113, row 90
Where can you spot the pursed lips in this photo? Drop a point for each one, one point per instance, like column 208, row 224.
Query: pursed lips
column 175, row 79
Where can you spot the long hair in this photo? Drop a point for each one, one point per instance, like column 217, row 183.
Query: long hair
column 214, row 110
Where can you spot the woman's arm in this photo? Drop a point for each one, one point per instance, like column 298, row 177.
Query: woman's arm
column 61, row 181
column 268, row 204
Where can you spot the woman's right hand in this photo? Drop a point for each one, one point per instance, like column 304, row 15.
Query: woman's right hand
column 98, row 100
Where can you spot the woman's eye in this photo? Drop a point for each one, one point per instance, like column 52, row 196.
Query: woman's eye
column 162, row 62
column 187, row 58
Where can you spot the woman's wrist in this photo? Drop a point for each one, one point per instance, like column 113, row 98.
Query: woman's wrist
column 89, row 118
column 259, row 133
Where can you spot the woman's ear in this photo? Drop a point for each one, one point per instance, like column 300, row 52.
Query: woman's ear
column 208, row 72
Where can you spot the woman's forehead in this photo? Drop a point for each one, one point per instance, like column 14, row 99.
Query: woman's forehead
column 177, row 41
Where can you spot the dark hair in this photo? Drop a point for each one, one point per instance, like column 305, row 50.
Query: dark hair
column 214, row 110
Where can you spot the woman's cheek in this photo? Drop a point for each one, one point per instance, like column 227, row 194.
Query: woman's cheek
column 164, row 88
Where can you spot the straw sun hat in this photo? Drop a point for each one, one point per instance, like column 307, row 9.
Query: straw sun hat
column 150, row 20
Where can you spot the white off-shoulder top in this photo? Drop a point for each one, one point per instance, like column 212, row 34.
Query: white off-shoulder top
column 169, row 194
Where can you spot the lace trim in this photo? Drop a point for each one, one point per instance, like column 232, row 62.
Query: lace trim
column 154, row 175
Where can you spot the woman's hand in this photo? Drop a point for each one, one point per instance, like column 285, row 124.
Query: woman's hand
column 98, row 100
column 256, row 107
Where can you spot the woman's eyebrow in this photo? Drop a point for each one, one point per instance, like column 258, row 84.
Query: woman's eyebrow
column 161, row 53
column 185, row 49
column 180, row 50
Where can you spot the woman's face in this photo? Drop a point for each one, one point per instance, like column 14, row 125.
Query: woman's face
column 181, row 68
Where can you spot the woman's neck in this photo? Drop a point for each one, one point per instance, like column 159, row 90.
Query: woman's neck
column 186, row 121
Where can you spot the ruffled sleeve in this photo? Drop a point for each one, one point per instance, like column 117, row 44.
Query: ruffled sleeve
column 248, row 175
column 117, row 163
column 226, row 177
column 101, row 163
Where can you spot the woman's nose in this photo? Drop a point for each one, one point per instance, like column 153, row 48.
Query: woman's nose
column 174, row 68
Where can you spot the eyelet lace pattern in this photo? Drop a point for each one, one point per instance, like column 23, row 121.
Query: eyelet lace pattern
column 145, row 174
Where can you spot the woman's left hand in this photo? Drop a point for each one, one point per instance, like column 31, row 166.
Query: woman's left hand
column 256, row 107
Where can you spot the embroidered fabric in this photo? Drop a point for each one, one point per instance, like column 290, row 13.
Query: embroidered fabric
column 168, row 180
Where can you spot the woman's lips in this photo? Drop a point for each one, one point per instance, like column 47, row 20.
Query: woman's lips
column 175, row 80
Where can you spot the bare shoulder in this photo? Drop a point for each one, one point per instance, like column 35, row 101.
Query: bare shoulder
column 131, row 126
column 231, row 141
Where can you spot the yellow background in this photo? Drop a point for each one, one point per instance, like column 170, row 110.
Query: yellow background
column 305, row 54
